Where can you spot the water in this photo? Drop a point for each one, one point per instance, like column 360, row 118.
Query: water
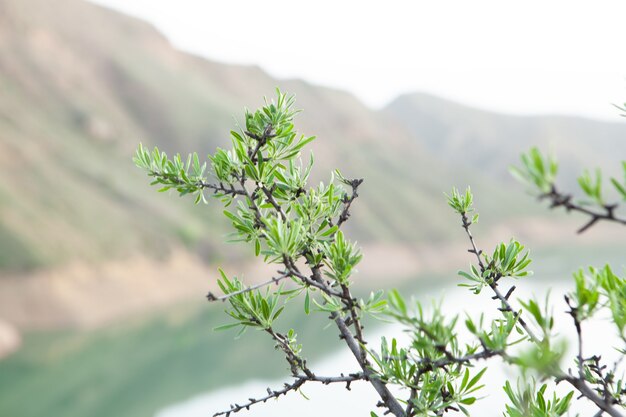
column 335, row 400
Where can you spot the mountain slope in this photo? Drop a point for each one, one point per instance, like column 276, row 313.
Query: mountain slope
column 493, row 141
column 82, row 86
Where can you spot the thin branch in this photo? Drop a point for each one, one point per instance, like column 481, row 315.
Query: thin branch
column 293, row 271
column 587, row 392
column 269, row 194
column 579, row 356
column 275, row 280
column 410, row 405
column 297, row 384
column 253, row 206
column 260, row 141
column 354, row 318
column 577, row 382
column 235, row 408
column 559, row 199
column 295, row 361
column 386, row 396
column 507, row 307
column 430, row 365
column 347, row 201
column 217, row 188
column 466, row 225
column 504, row 299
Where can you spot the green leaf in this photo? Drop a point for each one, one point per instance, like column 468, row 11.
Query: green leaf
column 465, row 375
column 225, row 327
column 476, row 378
column 277, row 313
column 468, row 400
column 307, row 304
column 397, row 301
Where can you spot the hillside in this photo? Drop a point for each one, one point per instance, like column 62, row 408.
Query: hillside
column 82, row 86
column 492, row 141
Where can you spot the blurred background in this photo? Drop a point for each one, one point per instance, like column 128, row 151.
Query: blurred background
column 102, row 279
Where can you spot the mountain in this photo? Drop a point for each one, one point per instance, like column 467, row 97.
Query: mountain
column 492, row 141
column 83, row 85
column 84, row 240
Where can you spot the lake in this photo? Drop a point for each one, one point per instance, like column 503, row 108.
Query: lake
column 335, row 400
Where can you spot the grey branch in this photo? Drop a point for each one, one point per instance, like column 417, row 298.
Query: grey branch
column 559, row 199
column 347, row 201
column 576, row 381
column 275, row 280
column 297, row 384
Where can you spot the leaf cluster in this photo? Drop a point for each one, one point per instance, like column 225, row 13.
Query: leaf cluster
column 528, row 401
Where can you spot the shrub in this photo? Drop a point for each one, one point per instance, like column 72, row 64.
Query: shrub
column 263, row 184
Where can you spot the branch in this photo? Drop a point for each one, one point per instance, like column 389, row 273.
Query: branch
column 354, row 317
column 297, row 384
column 347, row 201
column 577, row 382
column 270, row 199
column 558, row 199
column 294, row 360
column 428, row 364
column 504, row 299
column 587, row 392
column 275, row 280
column 217, row 188
column 579, row 356
column 253, row 206
column 358, row 352
column 317, row 281
column 293, row 271
column 260, row 141
column 410, row 405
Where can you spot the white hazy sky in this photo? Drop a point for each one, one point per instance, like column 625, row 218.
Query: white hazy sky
column 530, row 57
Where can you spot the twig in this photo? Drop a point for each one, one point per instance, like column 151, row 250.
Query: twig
column 410, row 405
column 300, row 380
column 275, row 280
column 558, row 199
column 217, row 188
column 579, row 356
column 260, row 141
column 270, row 198
column 493, row 285
column 389, row 401
column 577, row 382
column 347, row 201
column 293, row 271
column 294, row 360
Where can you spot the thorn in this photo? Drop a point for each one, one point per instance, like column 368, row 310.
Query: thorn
column 508, row 294
column 588, row 224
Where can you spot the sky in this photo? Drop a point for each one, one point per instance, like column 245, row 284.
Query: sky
column 524, row 57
